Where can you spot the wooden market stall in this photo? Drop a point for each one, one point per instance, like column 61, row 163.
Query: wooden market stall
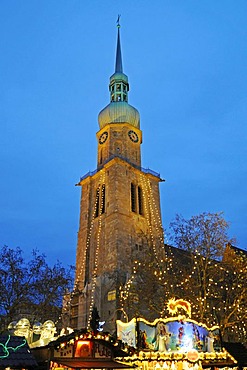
column 82, row 350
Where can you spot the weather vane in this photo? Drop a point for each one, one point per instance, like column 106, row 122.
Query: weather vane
column 118, row 20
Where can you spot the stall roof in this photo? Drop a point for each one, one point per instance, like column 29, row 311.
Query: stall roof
column 15, row 353
column 87, row 364
column 238, row 351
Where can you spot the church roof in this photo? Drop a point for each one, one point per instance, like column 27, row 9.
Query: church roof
column 119, row 111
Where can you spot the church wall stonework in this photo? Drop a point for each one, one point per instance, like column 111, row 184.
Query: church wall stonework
column 120, row 217
column 113, row 236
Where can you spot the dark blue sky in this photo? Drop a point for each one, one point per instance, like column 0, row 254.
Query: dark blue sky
column 186, row 62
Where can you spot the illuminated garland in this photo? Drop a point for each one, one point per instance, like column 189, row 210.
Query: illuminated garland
column 89, row 336
column 167, row 320
column 124, row 294
column 78, row 279
column 154, row 228
column 190, row 355
column 6, row 349
column 203, row 303
column 94, row 276
column 148, row 195
column 171, row 356
column 155, row 225
column 82, row 270
column 232, row 305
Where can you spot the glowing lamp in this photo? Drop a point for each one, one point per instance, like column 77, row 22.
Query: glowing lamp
column 193, row 355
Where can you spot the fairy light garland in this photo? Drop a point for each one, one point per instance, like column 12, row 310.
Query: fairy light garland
column 89, row 234
column 94, row 275
column 225, row 307
column 78, row 279
column 156, row 226
column 214, row 285
column 204, row 305
column 143, row 356
column 125, row 294
column 155, row 229
column 148, row 195
column 151, row 197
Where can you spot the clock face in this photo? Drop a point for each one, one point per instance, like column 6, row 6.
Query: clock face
column 133, row 136
column 103, row 137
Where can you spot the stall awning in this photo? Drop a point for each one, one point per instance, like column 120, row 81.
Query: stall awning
column 91, row 363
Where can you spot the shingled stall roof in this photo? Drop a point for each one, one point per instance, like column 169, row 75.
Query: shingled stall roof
column 93, row 364
column 238, row 351
column 15, row 353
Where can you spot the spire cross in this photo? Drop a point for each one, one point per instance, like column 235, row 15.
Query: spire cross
column 118, row 21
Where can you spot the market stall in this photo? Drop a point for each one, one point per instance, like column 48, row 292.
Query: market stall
column 174, row 343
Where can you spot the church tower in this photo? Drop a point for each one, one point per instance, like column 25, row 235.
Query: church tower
column 120, row 215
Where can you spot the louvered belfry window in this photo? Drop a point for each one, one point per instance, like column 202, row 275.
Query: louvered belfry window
column 136, row 198
column 100, row 201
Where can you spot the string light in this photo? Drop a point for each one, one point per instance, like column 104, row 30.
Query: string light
column 94, row 275
column 163, row 263
column 79, row 276
column 216, row 286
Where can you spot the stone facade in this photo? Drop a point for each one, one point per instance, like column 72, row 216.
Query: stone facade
column 120, row 217
column 109, row 242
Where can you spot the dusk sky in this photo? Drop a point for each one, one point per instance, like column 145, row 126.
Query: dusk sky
column 186, row 61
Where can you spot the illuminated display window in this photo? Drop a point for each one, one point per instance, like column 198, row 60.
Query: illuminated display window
column 111, row 296
column 83, row 348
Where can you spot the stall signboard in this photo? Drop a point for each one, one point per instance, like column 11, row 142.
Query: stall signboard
column 169, row 335
column 82, row 348
column 126, row 332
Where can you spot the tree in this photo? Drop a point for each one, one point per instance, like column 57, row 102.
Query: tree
column 205, row 233
column 213, row 281
column 201, row 267
column 30, row 288
column 233, row 321
column 151, row 283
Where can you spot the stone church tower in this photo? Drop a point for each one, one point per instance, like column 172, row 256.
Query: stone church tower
column 119, row 211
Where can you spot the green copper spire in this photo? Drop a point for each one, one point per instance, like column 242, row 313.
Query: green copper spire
column 119, row 85
column 118, row 65
column 119, row 111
